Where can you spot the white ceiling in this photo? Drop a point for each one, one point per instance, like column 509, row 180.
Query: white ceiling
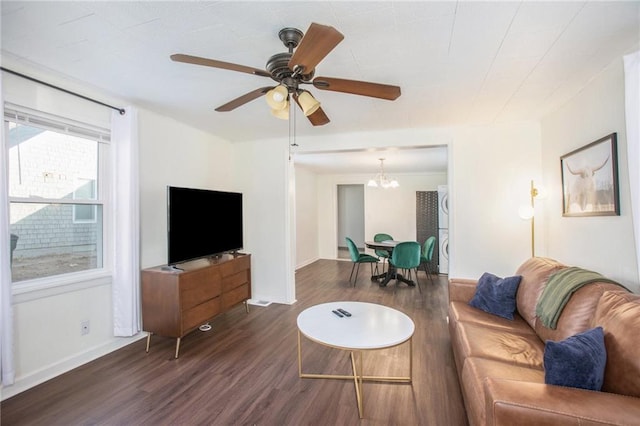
column 457, row 62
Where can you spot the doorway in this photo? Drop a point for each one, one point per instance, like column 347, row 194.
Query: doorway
column 350, row 218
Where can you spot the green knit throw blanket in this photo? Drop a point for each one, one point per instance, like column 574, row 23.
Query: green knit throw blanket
column 559, row 289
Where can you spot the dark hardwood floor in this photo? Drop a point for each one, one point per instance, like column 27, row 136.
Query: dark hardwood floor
column 245, row 370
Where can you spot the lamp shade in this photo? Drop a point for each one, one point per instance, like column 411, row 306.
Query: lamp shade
column 308, row 103
column 282, row 114
column 277, row 97
column 526, row 212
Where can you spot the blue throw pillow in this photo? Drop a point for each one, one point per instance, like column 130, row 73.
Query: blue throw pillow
column 578, row 361
column 496, row 295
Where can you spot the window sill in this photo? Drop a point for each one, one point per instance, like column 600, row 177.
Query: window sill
column 52, row 286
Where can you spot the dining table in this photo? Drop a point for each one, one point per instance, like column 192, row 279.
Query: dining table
column 392, row 272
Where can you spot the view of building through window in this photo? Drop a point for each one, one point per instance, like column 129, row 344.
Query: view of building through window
column 55, row 209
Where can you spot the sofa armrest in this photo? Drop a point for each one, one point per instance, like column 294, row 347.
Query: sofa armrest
column 461, row 289
column 510, row 402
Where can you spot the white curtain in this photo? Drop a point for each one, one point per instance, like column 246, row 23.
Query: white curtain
column 126, row 224
column 6, row 306
column 632, row 110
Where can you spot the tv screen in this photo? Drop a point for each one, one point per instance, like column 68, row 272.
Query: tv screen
column 202, row 223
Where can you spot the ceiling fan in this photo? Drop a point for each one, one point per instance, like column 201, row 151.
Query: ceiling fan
column 292, row 69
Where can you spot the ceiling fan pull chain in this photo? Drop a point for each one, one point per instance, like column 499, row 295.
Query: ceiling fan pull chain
column 289, row 125
column 294, row 126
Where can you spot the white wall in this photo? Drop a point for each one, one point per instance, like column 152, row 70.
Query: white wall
column 602, row 243
column 306, row 217
column 262, row 173
column 177, row 155
column 490, row 172
column 393, row 211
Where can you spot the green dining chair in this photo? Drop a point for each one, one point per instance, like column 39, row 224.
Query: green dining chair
column 383, row 254
column 357, row 258
column 406, row 256
column 427, row 255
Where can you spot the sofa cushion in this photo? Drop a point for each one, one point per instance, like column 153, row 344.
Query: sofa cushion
column 501, row 345
column 460, row 311
column 515, row 402
column 577, row 315
column 461, row 289
column 474, row 373
column 496, row 295
column 577, row 361
column 618, row 313
column 559, row 289
column 535, row 273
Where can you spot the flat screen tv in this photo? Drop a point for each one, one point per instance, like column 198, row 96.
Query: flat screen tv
column 202, row 223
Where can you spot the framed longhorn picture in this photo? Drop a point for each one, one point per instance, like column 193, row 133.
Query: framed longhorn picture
column 590, row 179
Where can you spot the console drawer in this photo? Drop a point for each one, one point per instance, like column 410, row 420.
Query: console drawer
column 199, row 286
column 235, row 296
column 200, row 314
column 239, row 264
column 235, row 280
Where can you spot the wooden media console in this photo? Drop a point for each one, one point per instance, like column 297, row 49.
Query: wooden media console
column 176, row 302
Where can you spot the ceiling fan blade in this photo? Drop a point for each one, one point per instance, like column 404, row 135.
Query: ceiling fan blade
column 178, row 57
column 364, row 88
column 248, row 97
column 317, row 42
column 318, row 118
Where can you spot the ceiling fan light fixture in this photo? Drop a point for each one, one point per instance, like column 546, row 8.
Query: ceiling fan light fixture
column 282, row 114
column 308, row 103
column 277, row 97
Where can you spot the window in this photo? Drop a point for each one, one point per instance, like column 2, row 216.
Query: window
column 85, row 189
column 56, row 194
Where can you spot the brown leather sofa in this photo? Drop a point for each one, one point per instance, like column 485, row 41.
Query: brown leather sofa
column 500, row 362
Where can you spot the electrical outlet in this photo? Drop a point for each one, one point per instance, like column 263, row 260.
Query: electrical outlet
column 84, row 328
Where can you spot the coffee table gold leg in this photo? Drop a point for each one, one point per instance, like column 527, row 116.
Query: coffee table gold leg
column 411, row 360
column 358, row 376
column 357, row 379
column 299, row 356
column 148, row 340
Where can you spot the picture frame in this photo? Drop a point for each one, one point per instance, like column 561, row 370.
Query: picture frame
column 590, row 179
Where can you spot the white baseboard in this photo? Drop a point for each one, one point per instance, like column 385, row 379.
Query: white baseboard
column 259, row 302
column 27, row 382
column 306, row 262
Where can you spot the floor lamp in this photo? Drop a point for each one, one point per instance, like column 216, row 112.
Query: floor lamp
column 528, row 213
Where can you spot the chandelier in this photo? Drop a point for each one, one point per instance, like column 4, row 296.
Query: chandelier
column 381, row 179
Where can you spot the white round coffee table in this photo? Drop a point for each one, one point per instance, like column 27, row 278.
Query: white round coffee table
column 370, row 327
